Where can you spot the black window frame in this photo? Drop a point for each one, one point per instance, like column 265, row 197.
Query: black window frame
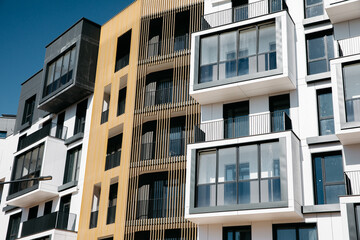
column 295, row 226
column 75, row 163
column 12, row 221
column 80, row 116
column 28, row 112
column 318, row 93
column 225, row 230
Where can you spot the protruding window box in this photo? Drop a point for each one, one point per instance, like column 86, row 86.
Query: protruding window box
column 254, row 178
column 70, row 66
column 346, row 98
column 243, row 59
column 46, row 158
column 340, row 10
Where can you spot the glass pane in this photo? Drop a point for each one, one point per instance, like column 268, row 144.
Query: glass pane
column 315, row 10
column 307, row 234
column 50, row 76
column 286, row 234
column 39, row 162
column 317, row 66
column 19, row 166
column 65, row 64
column 208, row 73
column 227, row 46
column 57, row 69
column 248, row 162
column 34, row 157
column 267, row 39
column 316, row 48
column 270, row 190
column 247, row 44
column 227, row 165
column 351, row 81
column 226, row 194
column 248, row 192
column 270, row 160
column 330, row 46
column 319, row 181
column 357, row 213
column 209, row 50
column 227, row 69
column 334, row 169
column 206, row 167
column 72, row 59
column 206, row 195
column 267, row 61
column 26, row 164
column 310, row 2
column 327, row 127
column 333, row 192
column 325, row 105
column 247, row 65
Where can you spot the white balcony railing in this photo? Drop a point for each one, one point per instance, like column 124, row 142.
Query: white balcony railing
column 349, row 46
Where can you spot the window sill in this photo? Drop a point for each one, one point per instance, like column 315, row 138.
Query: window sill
column 322, row 139
column 67, row 185
column 315, row 20
column 318, row 77
column 326, row 208
column 74, row 138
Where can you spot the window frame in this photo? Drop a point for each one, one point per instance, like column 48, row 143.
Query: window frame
column 318, row 93
column 312, row 5
column 29, row 108
column 75, row 164
column 235, row 228
column 295, row 226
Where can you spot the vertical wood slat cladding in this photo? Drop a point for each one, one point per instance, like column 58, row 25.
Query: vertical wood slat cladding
column 181, row 105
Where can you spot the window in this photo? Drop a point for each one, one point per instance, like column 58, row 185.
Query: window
column 72, row 166
column 106, row 104
column 325, row 112
column 60, row 71
column 95, row 206
column 177, row 136
column 236, row 233
column 328, row 177
column 13, row 227
column 158, row 89
column 222, row 57
column 28, row 110
column 182, row 26
column 26, row 165
column 152, row 195
column 148, row 140
column 60, row 133
column 33, row 212
column 173, row 234
column 155, row 37
column 48, row 207
column 236, row 119
column 279, row 106
column 320, row 49
column 3, row 134
column 142, row 235
column 313, row 8
column 112, row 203
column 80, row 117
column 295, row 231
column 121, row 101
column 239, row 175
column 123, row 51
column 351, row 73
column 113, row 153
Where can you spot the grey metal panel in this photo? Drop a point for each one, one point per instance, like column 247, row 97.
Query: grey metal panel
column 322, row 139
column 29, row 89
column 321, row 208
column 74, row 138
column 350, row 209
column 283, row 169
column 67, row 185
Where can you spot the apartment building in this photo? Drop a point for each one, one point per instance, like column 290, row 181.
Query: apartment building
column 276, row 155
column 50, row 138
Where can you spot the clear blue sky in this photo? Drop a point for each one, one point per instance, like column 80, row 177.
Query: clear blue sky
column 27, row 26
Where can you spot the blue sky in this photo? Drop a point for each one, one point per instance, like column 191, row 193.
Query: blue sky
column 27, row 26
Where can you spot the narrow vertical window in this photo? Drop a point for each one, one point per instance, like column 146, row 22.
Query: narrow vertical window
column 351, row 73
column 72, row 166
column 28, row 110
column 313, row 8
column 112, row 203
column 325, row 112
column 95, row 206
column 80, row 117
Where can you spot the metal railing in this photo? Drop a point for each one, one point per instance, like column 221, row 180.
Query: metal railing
column 147, row 151
column 352, row 107
column 55, row 220
column 151, row 208
column 113, row 160
column 242, row 126
column 104, row 116
column 157, row 97
column 111, row 215
column 53, row 130
column 176, row 147
column 352, row 182
column 122, row 62
column 93, row 219
column 241, row 13
column 349, row 46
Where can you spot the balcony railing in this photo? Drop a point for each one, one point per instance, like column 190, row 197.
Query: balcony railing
column 111, row 215
column 147, row 151
column 152, row 208
column 242, row 126
column 353, row 110
column 241, row 13
column 349, row 46
column 55, row 220
column 53, row 130
column 352, row 182
column 177, row 147
column 157, row 97
column 180, row 43
column 112, row 160
column 93, row 219
column 104, row 116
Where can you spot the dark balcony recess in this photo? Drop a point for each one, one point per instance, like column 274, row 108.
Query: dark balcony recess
column 55, row 220
column 53, row 130
column 123, row 51
column 242, row 12
column 243, row 126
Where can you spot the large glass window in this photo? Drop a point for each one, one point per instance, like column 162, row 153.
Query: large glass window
column 27, row 165
column 300, row 231
column 60, row 72
column 237, row 233
column 222, row 57
column 72, row 166
column 320, row 49
column 351, row 73
column 13, row 226
column 28, row 110
column 328, row 177
column 325, row 112
column 313, row 8
column 239, row 175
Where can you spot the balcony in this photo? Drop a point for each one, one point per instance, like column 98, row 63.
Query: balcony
column 342, row 10
column 53, row 130
column 112, row 160
column 241, row 13
column 254, row 178
column 52, row 164
column 243, row 126
column 224, row 70
column 55, row 220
